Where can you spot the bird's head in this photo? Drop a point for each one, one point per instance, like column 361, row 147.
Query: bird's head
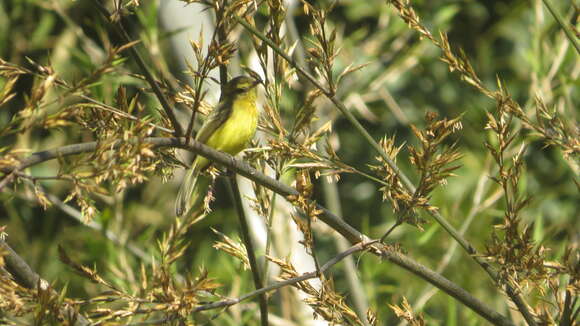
column 241, row 85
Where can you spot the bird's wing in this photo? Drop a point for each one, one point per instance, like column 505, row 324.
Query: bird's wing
column 216, row 119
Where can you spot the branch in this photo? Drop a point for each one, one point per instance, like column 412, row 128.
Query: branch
column 567, row 30
column 258, row 279
column 276, row 285
column 335, row 222
column 26, row 277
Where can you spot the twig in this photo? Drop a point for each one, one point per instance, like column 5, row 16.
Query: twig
column 393, row 256
column 338, row 104
column 114, row 110
column 238, row 166
column 100, row 105
column 233, row 184
column 330, row 189
column 269, row 223
column 258, row 280
column 75, row 214
column 7, row 179
column 198, row 95
column 477, row 207
column 397, row 223
column 222, row 38
column 569, row 34
column 276, row 285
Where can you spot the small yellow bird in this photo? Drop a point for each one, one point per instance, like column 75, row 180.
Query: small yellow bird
column 228, row 128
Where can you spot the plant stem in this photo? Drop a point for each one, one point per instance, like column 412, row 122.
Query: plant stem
column 567, row 30
column 258, row 280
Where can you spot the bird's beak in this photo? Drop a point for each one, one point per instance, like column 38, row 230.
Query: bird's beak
column 257, row 80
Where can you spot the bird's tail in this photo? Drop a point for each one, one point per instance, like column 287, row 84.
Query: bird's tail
column 187, row 195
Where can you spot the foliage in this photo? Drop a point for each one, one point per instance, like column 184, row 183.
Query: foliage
column 370, row 111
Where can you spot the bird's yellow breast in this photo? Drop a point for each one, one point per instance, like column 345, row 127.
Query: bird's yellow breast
column 240, row 127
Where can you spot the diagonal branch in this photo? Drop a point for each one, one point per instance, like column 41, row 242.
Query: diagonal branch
column 567, row 30
column 277, row 285
column 26, row 277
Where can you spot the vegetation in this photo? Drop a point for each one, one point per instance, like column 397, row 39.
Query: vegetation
column 422, row 157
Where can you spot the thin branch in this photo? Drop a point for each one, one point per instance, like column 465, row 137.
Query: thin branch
column 8, row 178
column 393, row 227
column 569, row 33
column 330, row 189
column 203, row 70
column 114, row 110
column 238, row 166
column 269, row 223
column 258, row 280
column 99, row 105
column 75, row 214
column 477, row 207
column 277, row 285
column 393, row 256
column 222, row 38
column 338, row 104
column 446, row 286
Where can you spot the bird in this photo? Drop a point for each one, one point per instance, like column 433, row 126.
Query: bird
column 228, row 128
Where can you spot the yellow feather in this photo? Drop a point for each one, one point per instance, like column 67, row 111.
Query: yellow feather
column 234, row 134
